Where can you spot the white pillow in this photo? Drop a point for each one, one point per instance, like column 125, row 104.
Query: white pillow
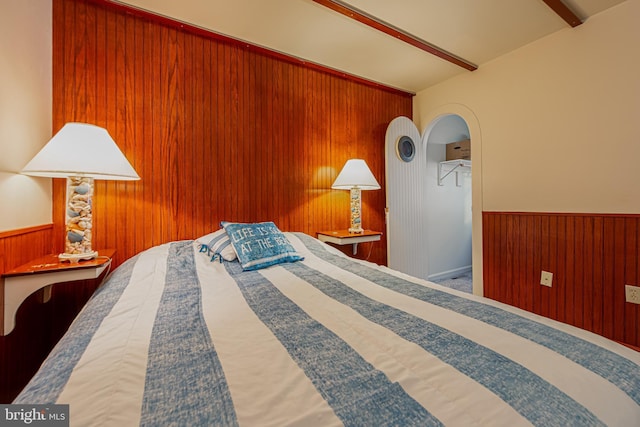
column 217, row 244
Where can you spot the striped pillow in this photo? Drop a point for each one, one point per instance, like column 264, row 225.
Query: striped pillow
column 217, row 245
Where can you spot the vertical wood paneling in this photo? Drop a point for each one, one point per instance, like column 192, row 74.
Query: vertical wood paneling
column 579, row 267
column 587, row 277
column 630, row 277
column 637, row 308
column 619, row 263
column 181, row 104
column 552, row 265
column 592, row 257
column 216, row 130
column 609, row 276
column 561, row 269
column 541, row 294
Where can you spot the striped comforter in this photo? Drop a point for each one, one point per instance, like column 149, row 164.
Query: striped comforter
column 174, row 339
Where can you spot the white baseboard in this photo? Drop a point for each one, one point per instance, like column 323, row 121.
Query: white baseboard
column 450, row 273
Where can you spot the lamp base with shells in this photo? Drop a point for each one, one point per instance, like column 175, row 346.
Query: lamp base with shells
column 78, row 222
column 356, row 211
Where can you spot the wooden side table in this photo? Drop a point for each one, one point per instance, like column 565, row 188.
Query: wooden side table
column 17, row 284
column 343, row 237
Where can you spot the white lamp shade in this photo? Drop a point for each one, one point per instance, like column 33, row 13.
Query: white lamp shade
column 355, row 173
column 81, row 149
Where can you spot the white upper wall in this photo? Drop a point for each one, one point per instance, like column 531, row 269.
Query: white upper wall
column 558, row 117
column 25, row 109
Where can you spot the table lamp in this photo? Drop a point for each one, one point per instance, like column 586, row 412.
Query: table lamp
column 80, row 153
column 356, row 176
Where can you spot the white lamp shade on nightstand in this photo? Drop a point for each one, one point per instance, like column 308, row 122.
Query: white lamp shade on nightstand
column 356, row 176
column 355, row 173
column 80, row 153
column 81, row 149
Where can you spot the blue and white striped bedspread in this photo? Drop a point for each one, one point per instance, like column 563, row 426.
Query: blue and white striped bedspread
column 174, row 339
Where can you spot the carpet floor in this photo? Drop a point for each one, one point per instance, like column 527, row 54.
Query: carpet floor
column 462, row 283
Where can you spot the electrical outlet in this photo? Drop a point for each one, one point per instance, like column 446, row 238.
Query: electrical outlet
column 546, row 278
column 632, row 294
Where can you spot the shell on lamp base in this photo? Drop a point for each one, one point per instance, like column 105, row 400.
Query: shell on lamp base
column 78, row 220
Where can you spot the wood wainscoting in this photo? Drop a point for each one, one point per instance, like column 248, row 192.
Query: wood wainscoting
column 592, row 258
column 20, row 246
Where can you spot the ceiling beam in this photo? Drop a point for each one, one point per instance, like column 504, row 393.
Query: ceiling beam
column 379, row 25
column 564, row 12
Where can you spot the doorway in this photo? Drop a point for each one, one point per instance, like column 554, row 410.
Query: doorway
column 412, row 239
column 448, row 212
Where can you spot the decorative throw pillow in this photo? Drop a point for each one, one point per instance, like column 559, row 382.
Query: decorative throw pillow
column 217, row 245
column 260, row 245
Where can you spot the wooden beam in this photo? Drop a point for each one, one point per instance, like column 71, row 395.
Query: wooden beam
column 564, row 12
column 379, row 25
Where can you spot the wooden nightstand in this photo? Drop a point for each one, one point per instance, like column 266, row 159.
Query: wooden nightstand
column 17, row 284
column 343, row 237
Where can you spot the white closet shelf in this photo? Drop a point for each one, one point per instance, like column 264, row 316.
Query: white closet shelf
column 449, row 166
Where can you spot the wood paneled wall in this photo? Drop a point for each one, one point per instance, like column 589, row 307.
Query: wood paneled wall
column 592, row 258
column 216, row 129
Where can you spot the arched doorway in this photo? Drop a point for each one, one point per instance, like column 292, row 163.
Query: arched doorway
column 448, row 185
column 407, row 198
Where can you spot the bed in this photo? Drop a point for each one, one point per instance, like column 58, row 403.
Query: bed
column 180, row 335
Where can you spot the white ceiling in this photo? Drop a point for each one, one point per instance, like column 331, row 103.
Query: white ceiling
column 475, row 30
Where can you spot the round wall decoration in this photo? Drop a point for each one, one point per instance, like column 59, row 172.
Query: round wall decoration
column 406, row 148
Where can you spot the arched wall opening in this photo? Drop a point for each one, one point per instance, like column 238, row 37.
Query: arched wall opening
column 448, row 212
column 473, row 125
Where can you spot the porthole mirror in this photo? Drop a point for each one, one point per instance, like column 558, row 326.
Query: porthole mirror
column 405, row 148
